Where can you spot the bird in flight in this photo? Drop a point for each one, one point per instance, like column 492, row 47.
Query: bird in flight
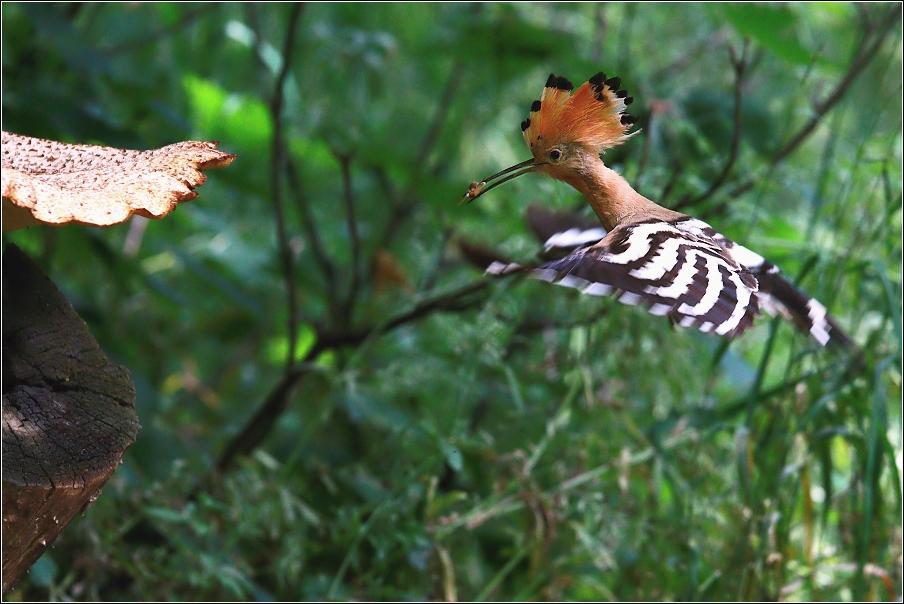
column 674, row 265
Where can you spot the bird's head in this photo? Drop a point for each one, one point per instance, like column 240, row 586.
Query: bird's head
column 564, row 130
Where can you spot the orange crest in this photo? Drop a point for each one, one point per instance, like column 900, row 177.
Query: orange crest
column 593, row 116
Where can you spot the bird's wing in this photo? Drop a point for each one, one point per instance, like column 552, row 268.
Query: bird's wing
column 778, row 296
column 672, row 268
column 562, row 231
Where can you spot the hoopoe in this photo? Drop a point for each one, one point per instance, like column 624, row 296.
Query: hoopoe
column 675, row 265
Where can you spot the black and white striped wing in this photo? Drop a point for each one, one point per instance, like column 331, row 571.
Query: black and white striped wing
column 673, row 270
column 777, row 295
column 562, row 232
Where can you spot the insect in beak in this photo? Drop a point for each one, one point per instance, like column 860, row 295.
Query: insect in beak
column 476, row 189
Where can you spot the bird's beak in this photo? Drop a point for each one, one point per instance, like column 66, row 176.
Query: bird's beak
column 491, row 182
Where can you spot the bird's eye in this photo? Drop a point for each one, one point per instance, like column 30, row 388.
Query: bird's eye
column 555, row 154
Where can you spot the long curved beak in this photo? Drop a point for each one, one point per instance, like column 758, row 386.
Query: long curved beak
column 491, row 182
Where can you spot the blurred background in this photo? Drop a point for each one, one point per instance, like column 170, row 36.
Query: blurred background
column 337, row 405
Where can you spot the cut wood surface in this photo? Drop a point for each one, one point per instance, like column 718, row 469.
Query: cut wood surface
column 68, row 414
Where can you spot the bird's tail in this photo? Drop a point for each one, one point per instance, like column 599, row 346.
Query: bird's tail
column 779, row 296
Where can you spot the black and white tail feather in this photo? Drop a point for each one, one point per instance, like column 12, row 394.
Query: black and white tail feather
column 685, row 270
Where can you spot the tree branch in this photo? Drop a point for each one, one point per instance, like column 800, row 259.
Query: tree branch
column 677, row 170
column 442, row 110
column 348, row 196
column 278, row 157
column 740, row 68
column 262, row 422
column 439, row 260
column 692, row 54
column 861, row 60
column 458, row 300
column 323, row 260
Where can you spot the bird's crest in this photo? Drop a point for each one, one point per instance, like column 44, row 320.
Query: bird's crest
column 594, row 115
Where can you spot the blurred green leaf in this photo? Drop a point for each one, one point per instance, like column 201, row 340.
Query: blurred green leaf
column 772, row 26
column 453, row 456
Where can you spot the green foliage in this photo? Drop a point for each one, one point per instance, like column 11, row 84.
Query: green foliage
column 774, row 27
column 524, row 442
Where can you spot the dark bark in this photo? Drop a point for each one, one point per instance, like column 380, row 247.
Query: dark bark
column 68, row 414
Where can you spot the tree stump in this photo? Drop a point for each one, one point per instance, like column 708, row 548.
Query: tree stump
column 68, row 414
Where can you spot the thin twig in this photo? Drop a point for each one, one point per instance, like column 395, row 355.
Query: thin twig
column 348, row 196
column 407, row 200
column 458, row 300
column 599, row 32
column 677, row 170
column 866, row 20
column 278, row 160
column 323, row 260
column 260, row 424
column 740, row 68
column 439, row 262
column 861, row 60
column 624, row 45
column 402, row 203
column 692, row 54
column 442, row 110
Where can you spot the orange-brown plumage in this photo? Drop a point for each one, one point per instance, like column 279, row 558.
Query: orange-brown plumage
column 566, row 134
column 593, row 116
